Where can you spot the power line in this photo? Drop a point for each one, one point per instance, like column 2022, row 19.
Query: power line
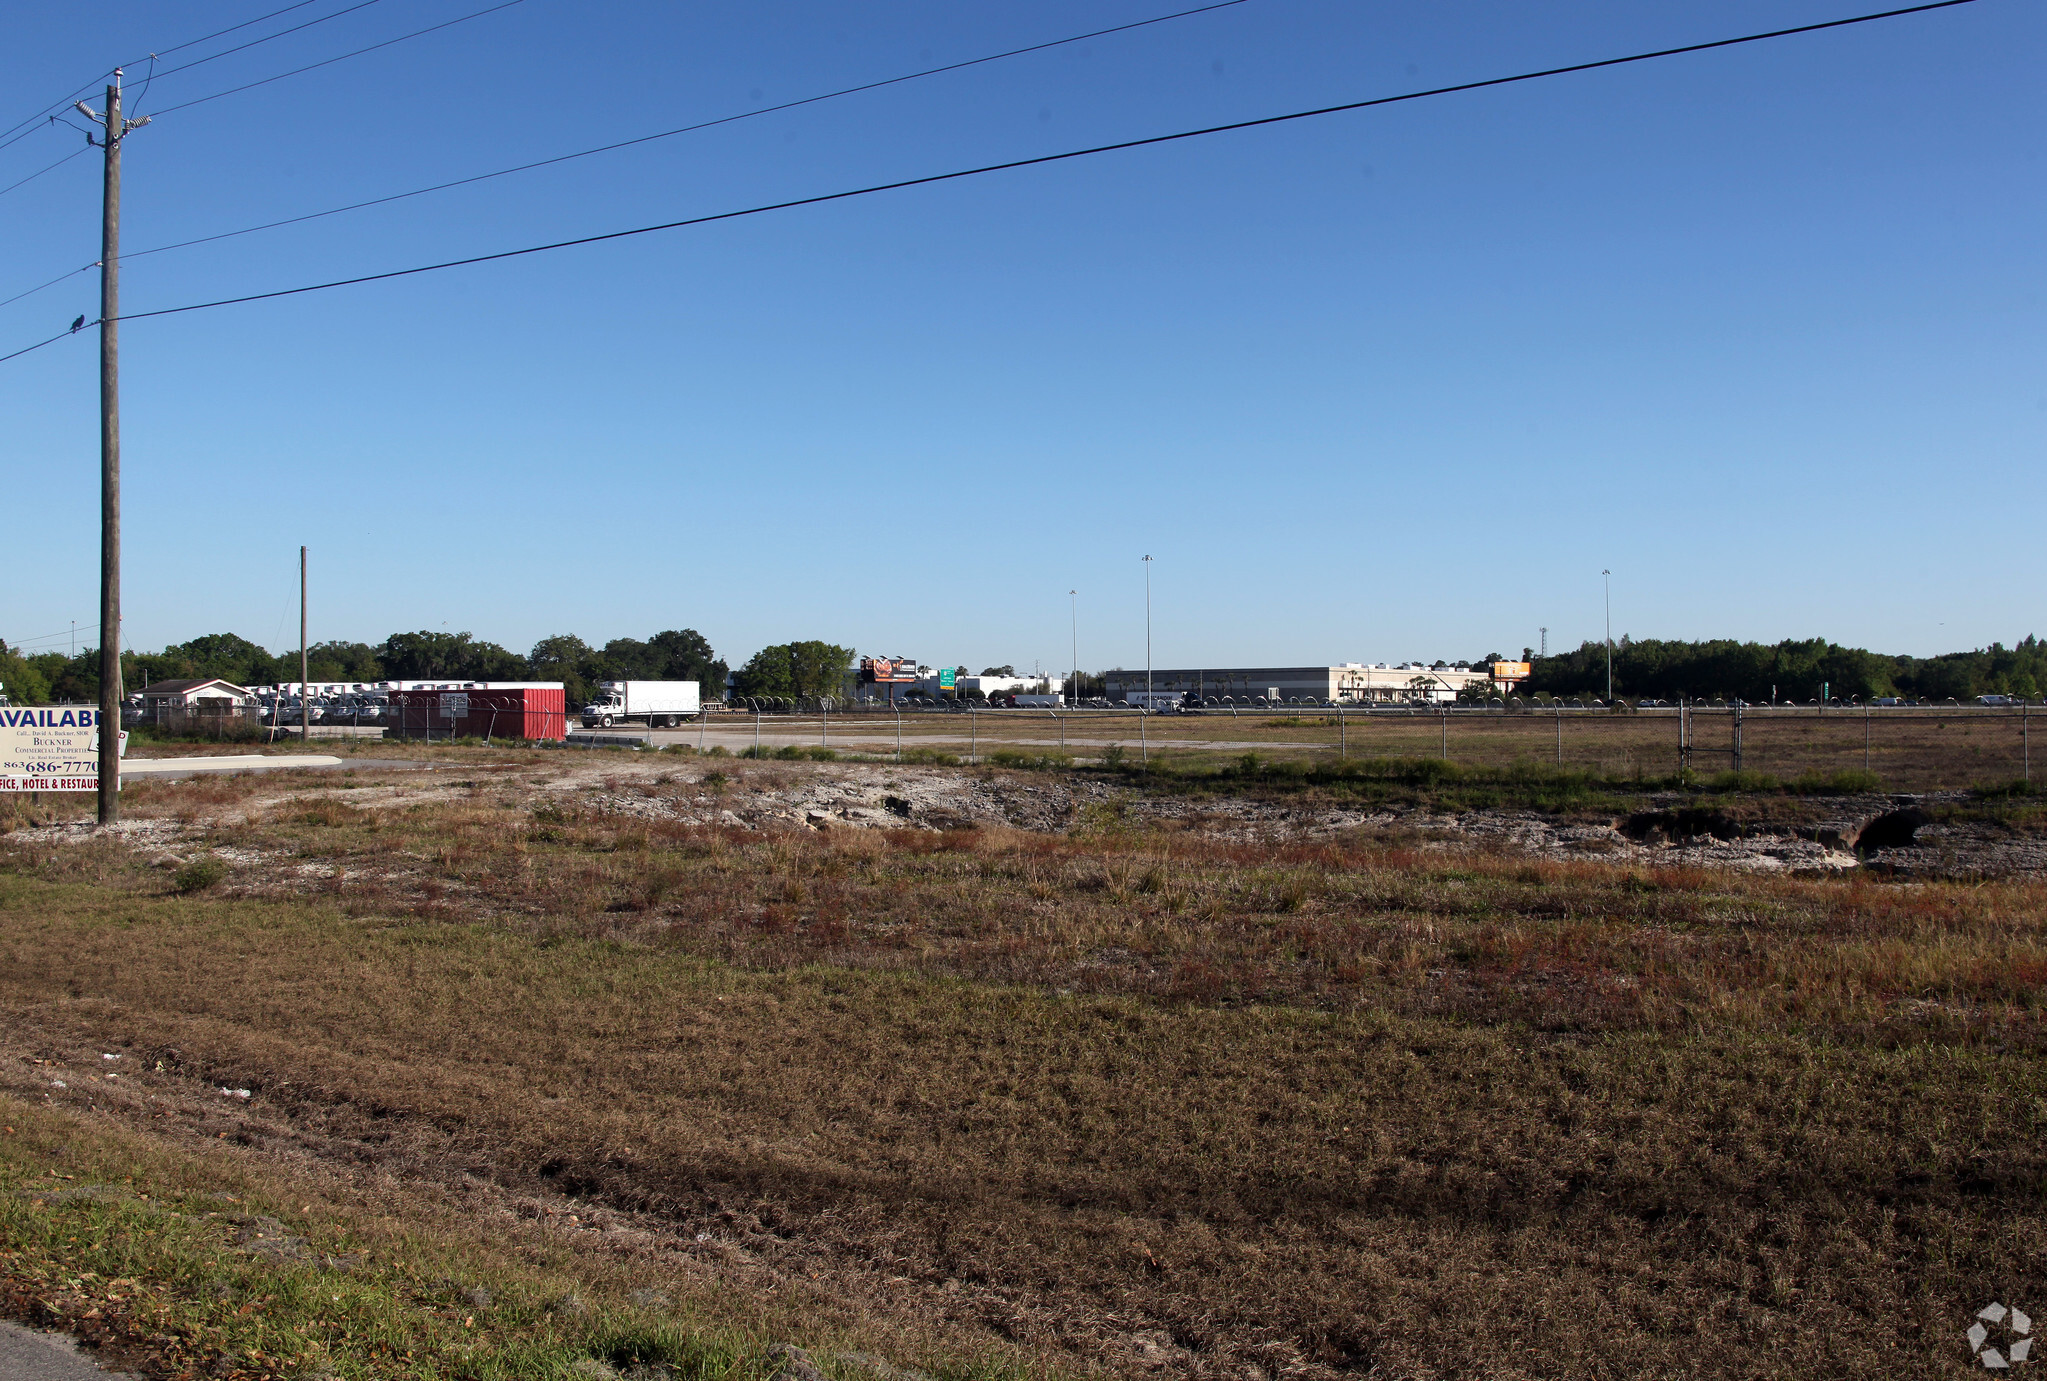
column 232, row 28
column 58, row 636
column 1148, row 141
column 68, row 273
column 644, row 139
column 671, row 133
column 179, row 48
column 41, row 343
column 329, row 62
column 254, row 42
column 40, row 171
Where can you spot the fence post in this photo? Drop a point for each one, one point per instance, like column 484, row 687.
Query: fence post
column 1446, row 734
column 1560, row 734
column 1342, row 744
column 899, row 735
column 756, row 729
column 2026, row 743
column 824, row 738
column 1734, row 748
column 1865, row 738
column 973, row 736
column 1143, row 748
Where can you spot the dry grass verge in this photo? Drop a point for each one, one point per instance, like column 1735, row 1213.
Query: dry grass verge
column 1131, row 1098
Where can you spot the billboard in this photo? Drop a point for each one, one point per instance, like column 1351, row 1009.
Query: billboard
column 888, row 670
column 1512, row 671
column 49, row 749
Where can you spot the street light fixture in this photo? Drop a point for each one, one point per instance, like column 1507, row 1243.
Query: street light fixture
column 1607, row 576
column 1073, row 612
column 1147, row 634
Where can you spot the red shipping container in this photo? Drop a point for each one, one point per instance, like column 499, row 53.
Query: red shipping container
column 486, row 711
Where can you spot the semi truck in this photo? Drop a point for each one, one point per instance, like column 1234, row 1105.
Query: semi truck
column 656, row 704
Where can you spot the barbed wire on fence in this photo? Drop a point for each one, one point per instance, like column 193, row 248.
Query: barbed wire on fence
column 1871, row 747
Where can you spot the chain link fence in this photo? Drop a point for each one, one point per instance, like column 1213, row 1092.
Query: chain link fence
column 1878, row 748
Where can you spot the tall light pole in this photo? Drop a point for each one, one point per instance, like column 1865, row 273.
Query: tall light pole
column 1073, row 612
column 1607, row 576
column 1147, row 634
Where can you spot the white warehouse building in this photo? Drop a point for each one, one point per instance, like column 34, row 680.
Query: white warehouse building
column 1356, row 682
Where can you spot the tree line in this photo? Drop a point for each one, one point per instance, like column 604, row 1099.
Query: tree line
column 1655, row 668
column 1792, row 670
column 674, row 655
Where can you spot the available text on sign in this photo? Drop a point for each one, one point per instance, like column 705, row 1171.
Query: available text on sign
column 49, row 750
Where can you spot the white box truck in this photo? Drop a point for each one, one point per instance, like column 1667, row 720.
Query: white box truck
column 656, row 704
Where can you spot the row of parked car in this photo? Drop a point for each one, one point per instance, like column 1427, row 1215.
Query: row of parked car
column 337, row 709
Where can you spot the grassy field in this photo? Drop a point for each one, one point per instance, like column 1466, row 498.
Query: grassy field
column 216, row 1262
column 1121, row 1097
column 1907, row 749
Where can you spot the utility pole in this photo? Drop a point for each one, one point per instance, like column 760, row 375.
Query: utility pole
column 305, row 691
column 1608, row 577
column 1073, row 613
column 113, row 132
column 1147, row 635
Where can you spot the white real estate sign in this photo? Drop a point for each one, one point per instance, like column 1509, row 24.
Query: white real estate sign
column 49, row 750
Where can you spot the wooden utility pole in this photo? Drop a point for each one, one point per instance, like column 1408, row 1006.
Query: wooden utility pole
column 113, row 132
column 305, row 690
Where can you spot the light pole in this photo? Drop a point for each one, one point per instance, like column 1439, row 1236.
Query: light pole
column 1073, row 612
column 1147, row 634
column 1607, row 576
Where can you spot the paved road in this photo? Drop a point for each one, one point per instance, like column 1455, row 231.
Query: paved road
column 26, row 1355
column 868, row 738
column 171, row 768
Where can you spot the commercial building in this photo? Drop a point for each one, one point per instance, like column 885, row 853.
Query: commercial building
column 1356, row 682
column 897, row 678
column 988, row 687
column 210, row 692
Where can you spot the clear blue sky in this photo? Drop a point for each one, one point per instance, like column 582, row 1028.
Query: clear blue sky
column 1761, row 330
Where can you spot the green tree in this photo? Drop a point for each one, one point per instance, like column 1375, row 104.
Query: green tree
column 71, row 680
column 20, row 682
column 339, row 661
column 686, row 655
column 429, row 656
column 566, row 658
column 795, row 670
column 228, row 656
column 627, row 659
column 1668, row 670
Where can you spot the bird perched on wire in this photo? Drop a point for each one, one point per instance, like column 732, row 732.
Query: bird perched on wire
column 79, row 324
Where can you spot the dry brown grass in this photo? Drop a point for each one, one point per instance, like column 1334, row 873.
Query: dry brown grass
column 1136, row 1098
column 1909, row 749
column 1343, row 923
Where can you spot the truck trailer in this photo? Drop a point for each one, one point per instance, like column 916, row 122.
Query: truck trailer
column 656, row 704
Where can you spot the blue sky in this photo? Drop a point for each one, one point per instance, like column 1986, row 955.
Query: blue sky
column 1760, row 330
